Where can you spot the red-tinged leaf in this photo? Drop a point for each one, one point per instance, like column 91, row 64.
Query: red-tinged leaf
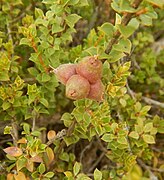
column 37, row 159
column 13, row 151
column 10, row 176
column 30, row 165
column 51, row 135
column 50, row 154
column 22, row 141
column 20, row 176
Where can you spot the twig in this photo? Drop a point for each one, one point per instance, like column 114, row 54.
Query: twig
column 14, row 132
column 90, row 175
column 127, row 129
column 69, row 132
column 39, row 55
column 127, row 17
column 33, row 123
column 146, row 99
column 136, row 64
column 125, row 20
column 129, row 90
column 28, row 80
column 59, row 135
column 143, row 165
column 153, row 102
column 101, row 145
column 112, row 41
column 61, row 146
column 9, row 32
column 156, row 169
column 96, row 163
column 21, row 15
column 83, row 151
column 92, row 21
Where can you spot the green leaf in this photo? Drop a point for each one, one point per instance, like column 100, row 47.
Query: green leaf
column 126, row 7
column 148, row 139
column 4, row 76
column 21, row 162
column 57, row 9
column 137, row 107
column 139, row 129
column 148, row 127
column 124, row 45
column 64, row 156
column 41, row 168
column 97, row 174
column 39, row 13
column 107, row 29
column 28, row 116
column 69, row 175
column 25, row 41
column 49, row 174
column 83, row 3
column 45, row 77
column 71, row 140
column 123, row 102
column 72, row 19
column 107, row 137
column 134, row 135
column 43, row 111
column 57, row 28
column 123, row 70
column 26, row 128
column 87, row 118
column 115, row 55
column 44, row 102
column 160, row 127
column 42, row 22
column 33, row 71
column 49, row 14
column 145, row 109
column 134, row 23
column 122, row 6
column 36, row 133
column 76, row 168
column 67, row 118
column 43, row 146
column 126, row 31
column 82, row 176
column 118, row 19
column 91, row 50
column 122, row 140
column 145, row 19
column 6, row 105
column 73, row 2
column 7, row 130
column 12, row 158
column 34, row 57
column 158, row 3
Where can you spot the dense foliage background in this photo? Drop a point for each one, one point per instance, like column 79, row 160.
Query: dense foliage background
column 43, row 134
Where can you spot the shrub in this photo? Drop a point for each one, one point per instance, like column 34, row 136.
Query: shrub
column 49, row 136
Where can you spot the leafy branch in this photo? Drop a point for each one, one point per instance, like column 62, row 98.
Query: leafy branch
column 125, row 20
column 145, row 99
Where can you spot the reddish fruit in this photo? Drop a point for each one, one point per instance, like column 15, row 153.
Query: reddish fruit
column 77, row 87
column 96, row 91
column 90, row 68
column 64, row 72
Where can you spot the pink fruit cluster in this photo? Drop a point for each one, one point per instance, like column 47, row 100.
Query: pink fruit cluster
column 82, row 80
